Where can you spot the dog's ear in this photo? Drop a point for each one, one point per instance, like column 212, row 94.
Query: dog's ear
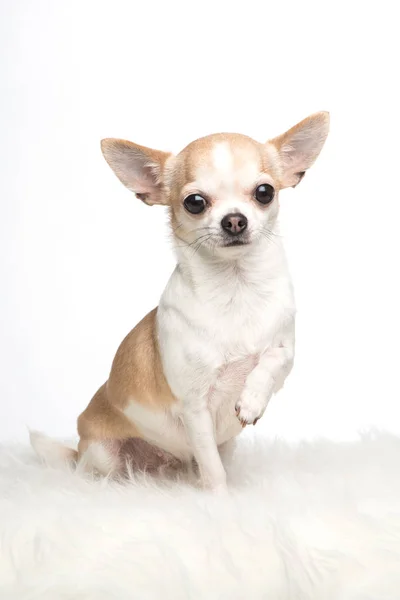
column 140, row 169
column 299, row 147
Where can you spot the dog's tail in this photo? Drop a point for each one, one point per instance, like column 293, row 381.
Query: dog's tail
column 51, row 452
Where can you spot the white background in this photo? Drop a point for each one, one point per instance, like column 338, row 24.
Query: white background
column 82, row 260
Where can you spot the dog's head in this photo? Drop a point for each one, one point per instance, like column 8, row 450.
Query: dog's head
column 222, row 189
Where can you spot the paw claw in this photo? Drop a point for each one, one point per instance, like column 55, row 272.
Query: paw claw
column 250, row 408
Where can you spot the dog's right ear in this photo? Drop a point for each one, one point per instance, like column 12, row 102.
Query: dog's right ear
column 140, row 169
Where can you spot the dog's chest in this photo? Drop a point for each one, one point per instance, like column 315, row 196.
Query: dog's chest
column 238, row 329
column 212, row 334
column 236, row 335
column 238, row 318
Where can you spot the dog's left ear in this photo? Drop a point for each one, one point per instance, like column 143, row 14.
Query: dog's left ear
column 139, row 168
column 299, row 147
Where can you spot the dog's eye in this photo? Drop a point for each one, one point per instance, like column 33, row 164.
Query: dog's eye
column 264, row 194
column 194, row 204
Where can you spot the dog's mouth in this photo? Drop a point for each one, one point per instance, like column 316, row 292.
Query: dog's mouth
column 212, row 242
column 230, row 241
column 238, row 242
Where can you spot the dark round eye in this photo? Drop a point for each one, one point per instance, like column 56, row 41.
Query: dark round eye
column 264, row 193
column 194, row 204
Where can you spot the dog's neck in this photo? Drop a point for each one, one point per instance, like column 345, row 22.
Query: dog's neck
column 209, row 275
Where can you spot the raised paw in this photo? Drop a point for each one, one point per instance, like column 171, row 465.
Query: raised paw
column 250, row 407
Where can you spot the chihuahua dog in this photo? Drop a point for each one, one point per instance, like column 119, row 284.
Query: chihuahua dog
column 207, row 360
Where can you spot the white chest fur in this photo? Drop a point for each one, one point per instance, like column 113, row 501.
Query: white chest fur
column 213, row 325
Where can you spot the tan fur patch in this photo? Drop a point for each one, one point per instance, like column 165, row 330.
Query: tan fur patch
column 136, row 372
column 199, row 154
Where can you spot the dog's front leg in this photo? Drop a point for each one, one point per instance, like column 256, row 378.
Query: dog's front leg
column 266, row 378
column 200, row 430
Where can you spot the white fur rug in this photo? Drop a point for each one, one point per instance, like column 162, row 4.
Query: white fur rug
column 314, row 521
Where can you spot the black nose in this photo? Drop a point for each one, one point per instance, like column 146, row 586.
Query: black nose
column 234, row 223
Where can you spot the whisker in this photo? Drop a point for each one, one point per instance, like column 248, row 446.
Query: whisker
column 272, row 233
column 177, row 227
column 203, row 241
column 200, row 239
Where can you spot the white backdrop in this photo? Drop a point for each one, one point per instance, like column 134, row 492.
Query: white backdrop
column 82, row 261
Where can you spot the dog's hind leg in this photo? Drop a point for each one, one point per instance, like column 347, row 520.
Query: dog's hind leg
column 121, row 457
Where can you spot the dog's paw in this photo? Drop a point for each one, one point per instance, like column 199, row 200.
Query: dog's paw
column 250, row 407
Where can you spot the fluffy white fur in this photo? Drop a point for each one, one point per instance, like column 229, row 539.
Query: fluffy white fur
column 315, row 521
